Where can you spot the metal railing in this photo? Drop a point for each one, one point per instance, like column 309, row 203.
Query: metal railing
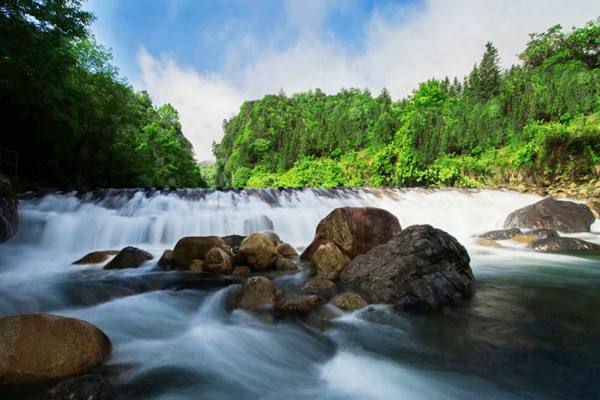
column 9, row 161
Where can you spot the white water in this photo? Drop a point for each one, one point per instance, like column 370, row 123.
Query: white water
column 183, row 344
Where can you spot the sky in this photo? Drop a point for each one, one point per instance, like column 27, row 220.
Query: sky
column 206, row 57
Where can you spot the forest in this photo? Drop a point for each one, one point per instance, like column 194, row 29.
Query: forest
column 533, row 123
column 74, row 122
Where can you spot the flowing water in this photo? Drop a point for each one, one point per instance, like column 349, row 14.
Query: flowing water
column 531, row 330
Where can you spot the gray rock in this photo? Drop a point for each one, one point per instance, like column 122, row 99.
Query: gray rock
column 563, row 244
column 501, row 234
column 563, row 216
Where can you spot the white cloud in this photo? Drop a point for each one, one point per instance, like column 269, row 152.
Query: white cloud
column 402, row 47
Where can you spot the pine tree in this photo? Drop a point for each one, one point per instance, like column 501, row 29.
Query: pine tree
column 489, row 73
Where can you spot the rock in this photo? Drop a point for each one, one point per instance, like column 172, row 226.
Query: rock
column 488, row 243
column 258, row 294
column 9, row 217
column 234, row 242
column 39, row 347
column 423, row 268
column 257, row 223
column 129, row 257
column 349, row 301
column 328, row 261
column 242, row 270
column 534, row 235
column 501, row 234
column 594, row 206
column 563, row 244
column 319, row 286
column 85, row 387
column 192, row 248
column 273, row 237
column 96, row 257
column 563, row 216
column 298, row 305
column 284, row 264
column 354, row 230
column 286, row 250
column 258, row 252
column 167, row 260
column 218, row 261
column 196, row 266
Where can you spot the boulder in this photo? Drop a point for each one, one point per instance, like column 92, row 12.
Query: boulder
column 234, row 242
column 258, row 252
column 196, row 266
column 564, row 244
column 328, row 261
column 349, row 301
column 500, row 234
column 258, row 294
column 594, row 206
column 129, row 257
column 286, row 250
column 167, row 260
column 273, row 237
column 9, row 217
column 39, row 347
column 218, row 262
column 242, row 270
column 534, row 235
column 319, row 286
column 284, row 264
column 354, row 230
column 96, row 257
column 423, row 268
column 84, row 387
column 192, row 248
column 298, row 305
column 563, row 216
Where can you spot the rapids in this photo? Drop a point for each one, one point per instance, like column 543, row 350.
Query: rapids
column 531, row 331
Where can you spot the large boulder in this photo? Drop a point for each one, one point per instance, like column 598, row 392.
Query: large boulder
column 9, row 217
column 354, row 230
column 129, row 257
column 96, row 257
column 258, row 252
column 39, row 347
column 192, row 248
column 218, row 261
column 328, row 261
column 564, row 244
column 563, row 216
column 258, row 294
column 423, row 268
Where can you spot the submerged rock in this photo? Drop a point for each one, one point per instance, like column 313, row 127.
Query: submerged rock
column 258, row 294
column 192, row 248
column 563, row 244
column 242, row 270
column 129, row 257
column 349, row 301
column 39, row 347
column 258, row 252
column 319, row 285
column 500, row 234
column 298, row 305
column 423, row 268
column 488, row 243
column 9, row 217
column 96, row 257
column 85, row 387
column 535, row 234
column 563, row 216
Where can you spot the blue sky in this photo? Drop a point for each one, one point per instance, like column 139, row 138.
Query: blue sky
column 207, row 57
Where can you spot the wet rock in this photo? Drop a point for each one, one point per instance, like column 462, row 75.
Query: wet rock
column 9, row 217
column 258, row 252
column 284, row 264
column 273, row 237
column 196, row 266
column 129, row 257
column 39, row 347
column 594, row 206
column 218, row 261
column 563, row 216
column 167, row 260
column 349, row 301
column 563, row 244
column 192, row 248
column 242, row 270
column 258, row 294
column 534, row 235
column 286, row 250
column 423, row 268
column 234, row 242
column 96, row 257
column 354, row 230
column 320, row 286
column 298, row 305
column 488, row 243
column 85, row 387
column 328, row 261
column 501, row 234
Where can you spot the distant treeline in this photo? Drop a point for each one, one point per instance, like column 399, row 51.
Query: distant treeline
column 75, row 123
column 536, row 122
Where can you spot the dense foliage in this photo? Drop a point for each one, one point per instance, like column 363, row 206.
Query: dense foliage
column 533, row 123
column 75, row 123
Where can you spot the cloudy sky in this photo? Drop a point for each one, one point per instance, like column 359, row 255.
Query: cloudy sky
column 206, row 56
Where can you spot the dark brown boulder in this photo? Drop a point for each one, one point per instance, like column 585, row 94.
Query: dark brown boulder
column 564, row 244
column 349, row 301
column 129, row 257
column 423, row 268
column 298, row 305
column 354, row 230
column 192, row 248
column 241, row 270
column 96, row 257
column 39, row 347
column 167, row 260
column 563, row 216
